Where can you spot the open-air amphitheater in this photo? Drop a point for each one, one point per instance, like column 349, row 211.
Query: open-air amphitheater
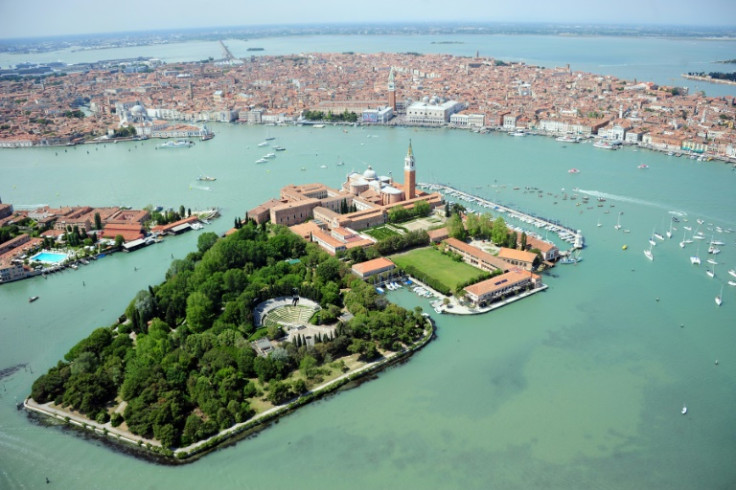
column 293, row 318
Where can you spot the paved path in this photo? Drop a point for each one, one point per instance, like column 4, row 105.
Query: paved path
column 81, row 421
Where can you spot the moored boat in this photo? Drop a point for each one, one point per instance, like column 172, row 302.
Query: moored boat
column 176, row 144
column 607, row 145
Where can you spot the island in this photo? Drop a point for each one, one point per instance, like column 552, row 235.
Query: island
column 713, row 77
column 286, row 307
column 244, row 329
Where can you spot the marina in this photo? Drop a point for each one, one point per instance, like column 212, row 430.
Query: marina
column 565, row 233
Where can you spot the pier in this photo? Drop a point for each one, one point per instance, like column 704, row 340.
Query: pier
column 565, row 233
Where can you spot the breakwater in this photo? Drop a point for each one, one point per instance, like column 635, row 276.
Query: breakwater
column 565, row 233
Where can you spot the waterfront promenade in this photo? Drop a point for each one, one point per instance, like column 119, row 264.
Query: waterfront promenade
column 257, row 422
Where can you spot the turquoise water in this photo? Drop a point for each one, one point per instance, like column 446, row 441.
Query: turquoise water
column 661, row 60
column 49, row 257
column 580, row 386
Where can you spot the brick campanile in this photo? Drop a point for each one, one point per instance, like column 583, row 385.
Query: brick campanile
column 409, row 175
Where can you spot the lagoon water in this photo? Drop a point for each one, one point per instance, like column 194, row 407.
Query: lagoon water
column 657, row 59
column 580, row 386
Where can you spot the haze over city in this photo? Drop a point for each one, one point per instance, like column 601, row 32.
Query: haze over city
column 49, row 18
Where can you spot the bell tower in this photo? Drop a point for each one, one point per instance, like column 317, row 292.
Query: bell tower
column 409, row 174
column 391, row 90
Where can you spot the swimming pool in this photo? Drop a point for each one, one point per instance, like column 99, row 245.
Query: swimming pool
column 49, row 257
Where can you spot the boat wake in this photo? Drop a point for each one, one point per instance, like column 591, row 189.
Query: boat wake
column 200, row 187
column 632, row 200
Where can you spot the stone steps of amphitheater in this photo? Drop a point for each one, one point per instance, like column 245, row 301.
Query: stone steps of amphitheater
column 295, row 315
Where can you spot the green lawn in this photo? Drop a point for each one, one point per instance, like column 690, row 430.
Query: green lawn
column 441, row 267
column 380, row 232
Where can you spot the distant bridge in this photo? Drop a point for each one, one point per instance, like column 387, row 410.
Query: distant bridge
column 228, row 55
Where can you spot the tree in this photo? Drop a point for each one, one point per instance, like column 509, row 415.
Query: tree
column 308, row 366
column 98, row 222
column 119, row 240
column 206, row 240
column 279, row 392
column 456, row 228
column 199, row 312
column 472, row 223
column 499, row 234
column 328, row 270
column 422, row 208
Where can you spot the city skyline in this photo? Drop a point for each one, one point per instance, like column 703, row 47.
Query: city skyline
column 44, row 18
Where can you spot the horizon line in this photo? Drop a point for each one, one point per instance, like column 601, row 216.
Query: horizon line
column 455, row 24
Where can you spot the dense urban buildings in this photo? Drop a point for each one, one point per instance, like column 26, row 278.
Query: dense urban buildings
column 82, row 102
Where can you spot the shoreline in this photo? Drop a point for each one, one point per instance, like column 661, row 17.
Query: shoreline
column 393, row 124
column 707, row 79
column 152, row 451
column 459, row 309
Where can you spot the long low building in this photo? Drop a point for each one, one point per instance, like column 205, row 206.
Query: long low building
column 495, row 288
column 475, row 256
column 373, row 267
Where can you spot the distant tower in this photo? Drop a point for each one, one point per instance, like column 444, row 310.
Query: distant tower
column 391, row 90
column 410, row 177
column 621, row 111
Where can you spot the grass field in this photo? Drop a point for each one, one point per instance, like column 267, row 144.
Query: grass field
column 439, row 266
column 380, row 232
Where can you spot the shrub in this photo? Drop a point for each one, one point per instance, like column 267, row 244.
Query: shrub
column 116, row 419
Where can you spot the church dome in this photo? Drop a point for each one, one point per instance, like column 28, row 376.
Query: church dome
column 136, row 109
column 370, row 174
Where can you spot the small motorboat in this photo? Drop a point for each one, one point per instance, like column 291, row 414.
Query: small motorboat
column 32, row 299
column 684, row 410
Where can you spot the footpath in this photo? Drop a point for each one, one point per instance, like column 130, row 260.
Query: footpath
column 121, row 435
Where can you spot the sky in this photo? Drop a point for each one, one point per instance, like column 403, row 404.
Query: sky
column 38, row 18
